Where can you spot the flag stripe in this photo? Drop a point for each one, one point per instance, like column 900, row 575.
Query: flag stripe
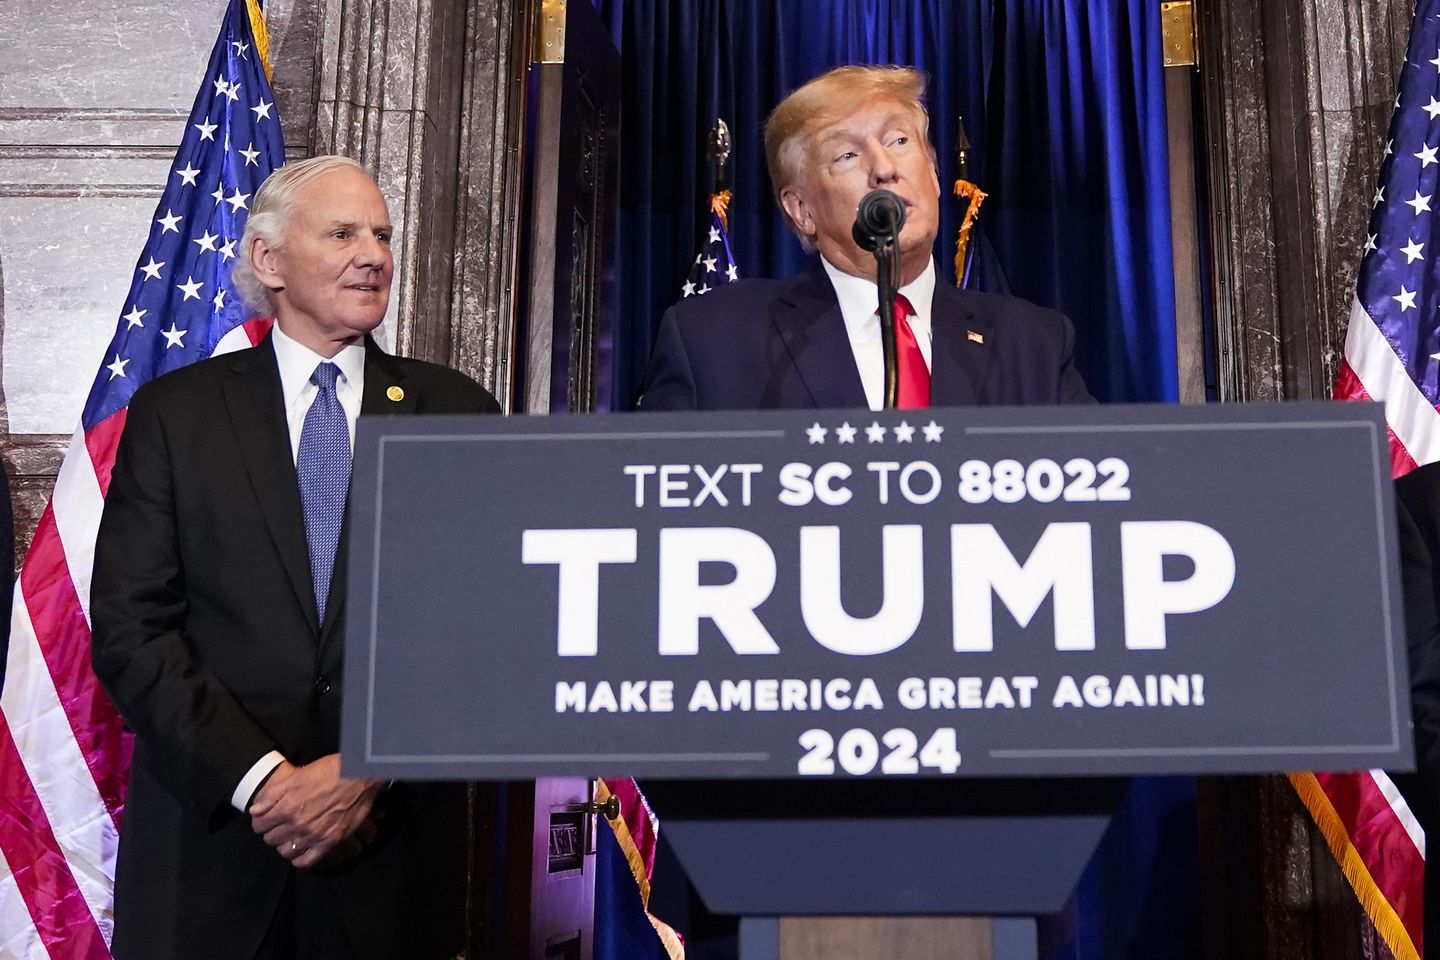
column 18, row 936
column 1373, row 361
column 101, row 442
column 78, row 502
column 1374, row 829
column 54, row 769
column 1348, row 387
column 52, row 610
column 61, row 916
column 1401, row 809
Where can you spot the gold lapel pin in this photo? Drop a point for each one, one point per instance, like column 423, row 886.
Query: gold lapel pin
column 974, row 337
column 395, row 394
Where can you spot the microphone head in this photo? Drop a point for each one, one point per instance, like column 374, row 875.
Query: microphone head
column 878, row 219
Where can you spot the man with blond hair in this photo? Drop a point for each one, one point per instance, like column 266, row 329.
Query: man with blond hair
column 218, row 608
column 814, row 340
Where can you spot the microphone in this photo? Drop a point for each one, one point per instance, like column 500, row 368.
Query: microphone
column 878, row 219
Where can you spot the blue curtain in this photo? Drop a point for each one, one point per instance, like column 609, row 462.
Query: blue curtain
column 1064, row 103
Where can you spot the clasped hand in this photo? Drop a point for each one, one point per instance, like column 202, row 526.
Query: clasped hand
column 311, row 815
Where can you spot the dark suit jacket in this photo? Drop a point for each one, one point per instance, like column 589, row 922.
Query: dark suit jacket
column 768, row 344
column 206, row 636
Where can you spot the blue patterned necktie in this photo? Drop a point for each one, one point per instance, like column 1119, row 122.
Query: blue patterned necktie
column 324, row 468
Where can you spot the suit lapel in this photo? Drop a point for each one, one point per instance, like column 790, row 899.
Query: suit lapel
column 808, row 319
column 961, row 351
column 257, row 415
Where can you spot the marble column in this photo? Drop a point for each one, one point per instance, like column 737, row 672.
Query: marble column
column 1297, row 97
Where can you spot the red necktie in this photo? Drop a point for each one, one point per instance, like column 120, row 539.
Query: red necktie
column 913, row 391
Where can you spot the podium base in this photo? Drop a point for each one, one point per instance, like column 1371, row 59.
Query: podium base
column 894, row 938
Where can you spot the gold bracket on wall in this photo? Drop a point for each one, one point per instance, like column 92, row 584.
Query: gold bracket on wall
column 550, row 37
column 1177, row 33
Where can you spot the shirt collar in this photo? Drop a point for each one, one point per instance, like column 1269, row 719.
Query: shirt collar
column 859, row 298
column 297, row 362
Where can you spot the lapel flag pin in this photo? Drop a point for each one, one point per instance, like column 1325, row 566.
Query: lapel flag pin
column 395, row 394
column 974, row 337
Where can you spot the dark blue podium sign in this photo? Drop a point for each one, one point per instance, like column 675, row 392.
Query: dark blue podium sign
column 1066, row 591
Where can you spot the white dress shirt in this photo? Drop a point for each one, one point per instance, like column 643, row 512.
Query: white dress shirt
column 858, row 299
column 297, row 363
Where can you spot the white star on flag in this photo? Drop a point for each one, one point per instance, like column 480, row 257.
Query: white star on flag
column 219, row 300
column 191, row 288
column 173, row 337
column 932, row 431
column 250, row 154
column 714, row 235
column 188, row 175
column 1406, row 299
column 1369, row 243
column 688, row 289
column 169, row 223
column 135, row 317
column 875, row 433
column 262, row 110
column 709, row 264
column 206, row 128
column 206, row 241
column 1420, row 203
column 227, row 250
column 152, row 269
column 237, row 202
column 1412, row 251
column 219, row 194
column 816, row 433
column 116, row 367
column 1426, row 156
column 1379, row 197
column 845, row 433
column 732, row 272
column 1432, row 108
column 240, row 49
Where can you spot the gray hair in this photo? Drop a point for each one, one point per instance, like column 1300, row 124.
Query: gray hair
column 270, row 218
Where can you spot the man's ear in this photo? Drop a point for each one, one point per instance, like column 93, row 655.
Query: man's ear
column 265, row 263
column 792, row 200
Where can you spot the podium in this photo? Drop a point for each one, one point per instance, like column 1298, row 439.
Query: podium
column 995, row 847
column 865, row 666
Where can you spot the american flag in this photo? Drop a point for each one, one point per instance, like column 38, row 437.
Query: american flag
column 714, row 266
column 1392, row 354
column 64, row 757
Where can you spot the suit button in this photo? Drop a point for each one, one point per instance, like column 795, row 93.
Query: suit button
column 322, row 686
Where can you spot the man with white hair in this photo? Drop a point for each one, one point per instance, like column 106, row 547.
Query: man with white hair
column 813, row 340
column 218, row 601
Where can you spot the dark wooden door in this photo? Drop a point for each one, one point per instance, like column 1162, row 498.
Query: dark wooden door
column 573, row 176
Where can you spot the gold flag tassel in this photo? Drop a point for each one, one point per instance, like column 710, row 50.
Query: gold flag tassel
column 968, row 191
column 262, row 36
column 720, row 206
column 1387, row 923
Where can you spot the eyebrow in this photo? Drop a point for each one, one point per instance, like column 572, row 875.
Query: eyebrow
column 349, row 225
column 893, row 120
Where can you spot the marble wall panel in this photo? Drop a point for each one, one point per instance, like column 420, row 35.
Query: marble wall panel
column 67, row 265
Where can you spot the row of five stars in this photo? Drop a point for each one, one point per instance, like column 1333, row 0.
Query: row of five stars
column 875, row 433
